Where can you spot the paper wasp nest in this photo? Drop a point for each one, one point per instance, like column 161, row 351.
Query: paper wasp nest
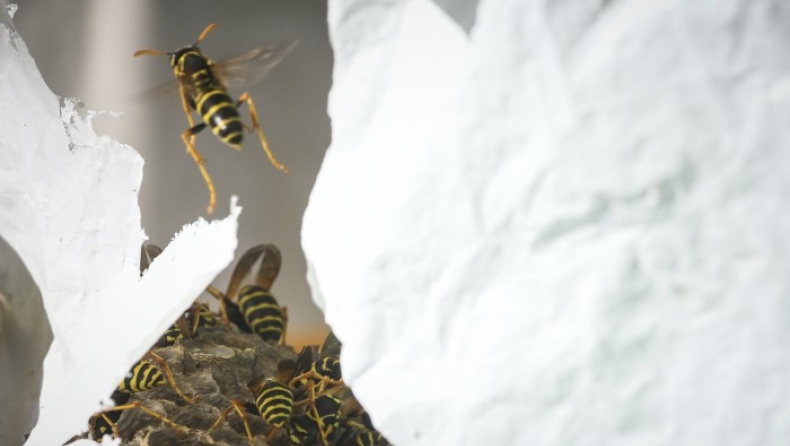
column 214, row 367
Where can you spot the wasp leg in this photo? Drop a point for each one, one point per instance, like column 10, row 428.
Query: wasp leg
column 324, row 381
column 310, row 402
column 311, row 397
column 114, row 427
column 235, row 404
column 182, row 430
column 223, row 309
column 187, row 111
column 257, row 127
column 318, row 420
column 169, row 374
column 98, row 433
column 200, row 163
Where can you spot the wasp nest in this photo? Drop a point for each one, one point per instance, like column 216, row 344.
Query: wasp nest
column 214, row 368
column 214, row 380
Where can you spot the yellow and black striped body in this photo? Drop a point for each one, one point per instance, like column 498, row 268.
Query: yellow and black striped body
column 143, row 376
column 207, row 95
column 275, row 402
column 262, row 312
column 306, row 428
column 170, row 336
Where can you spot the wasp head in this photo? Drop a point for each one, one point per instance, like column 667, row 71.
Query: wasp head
column 189, row 60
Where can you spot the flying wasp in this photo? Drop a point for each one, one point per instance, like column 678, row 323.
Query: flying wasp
column 202, row 84
column 256, row 310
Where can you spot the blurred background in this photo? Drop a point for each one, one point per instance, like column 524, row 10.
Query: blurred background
column 84, row 50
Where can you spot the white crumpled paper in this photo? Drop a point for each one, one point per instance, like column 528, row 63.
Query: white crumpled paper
column 568, row 227
column 68, row 206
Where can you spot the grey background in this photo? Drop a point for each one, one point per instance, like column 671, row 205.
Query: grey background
column 84, row 50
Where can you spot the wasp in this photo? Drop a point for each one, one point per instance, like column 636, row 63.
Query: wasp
column 275, row 400
column 202, row 85
column 143, row 376
column 256, row 311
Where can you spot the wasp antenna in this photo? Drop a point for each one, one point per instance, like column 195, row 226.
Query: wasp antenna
column 151, row 53
column 205, row 33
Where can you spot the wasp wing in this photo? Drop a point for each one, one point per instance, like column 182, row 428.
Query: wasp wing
column 270, row 267
column 243, row 268
column 252, row 66
column 304, row 361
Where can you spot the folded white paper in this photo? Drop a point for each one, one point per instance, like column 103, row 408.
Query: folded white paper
column 68, row 206
column 568, row 227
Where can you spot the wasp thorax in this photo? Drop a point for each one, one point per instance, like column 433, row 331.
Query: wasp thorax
column 189, row 60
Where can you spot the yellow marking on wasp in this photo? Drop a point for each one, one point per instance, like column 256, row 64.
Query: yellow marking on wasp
column 200, row 73
column 215, row 108
column 227, row 122
column 230, row 136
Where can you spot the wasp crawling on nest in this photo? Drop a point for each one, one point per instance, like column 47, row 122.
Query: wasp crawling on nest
column 246, row 387
column 203, row 87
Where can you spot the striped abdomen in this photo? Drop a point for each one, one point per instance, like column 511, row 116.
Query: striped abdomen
column 143, row 376
column 207, row 95
column 217, row 109
column 275, row 402
column 262, row 312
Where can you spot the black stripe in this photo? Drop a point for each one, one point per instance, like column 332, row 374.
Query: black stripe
column 257, row 294
column 232, row 134
column 275, row 402
column 213, row 98
column 265, row 312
